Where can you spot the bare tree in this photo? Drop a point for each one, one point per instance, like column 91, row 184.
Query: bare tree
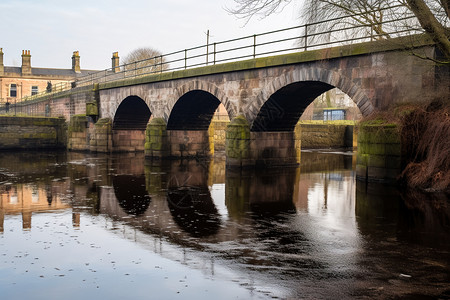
column 145, row 61
column 377, row 16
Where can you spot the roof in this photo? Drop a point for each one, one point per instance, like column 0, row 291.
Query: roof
column 50, row 72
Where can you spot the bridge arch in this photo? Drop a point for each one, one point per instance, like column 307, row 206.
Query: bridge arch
column 277, row 109
column 198, row 85
column 129, row 125
column 132, row 114
column 193, row 111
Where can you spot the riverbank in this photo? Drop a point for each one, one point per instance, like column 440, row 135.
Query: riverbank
column 425, row 144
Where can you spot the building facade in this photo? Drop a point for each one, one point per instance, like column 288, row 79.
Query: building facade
column 19, row 82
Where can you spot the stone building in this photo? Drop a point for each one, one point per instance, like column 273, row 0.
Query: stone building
column 19, row 82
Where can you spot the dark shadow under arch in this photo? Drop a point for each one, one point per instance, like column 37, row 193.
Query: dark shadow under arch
column 132, row 114
column 284, row 108
column 193, row 111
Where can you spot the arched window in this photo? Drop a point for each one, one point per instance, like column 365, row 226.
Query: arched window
column 13, row 90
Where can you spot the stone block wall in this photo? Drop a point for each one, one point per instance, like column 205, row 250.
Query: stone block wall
column 31, row 133
column 128, row 140
column 189, row 143
column 219, row 133
column 77, row 133
column 101, row 137
column 237, row 146
column 63, row 104
column 379, row 156
column 317, row 136
column 156, row 144
column 245, row 148
column 275, row 148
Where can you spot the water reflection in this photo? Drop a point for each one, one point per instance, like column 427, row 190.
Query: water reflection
column 131, row 193
column 307, row 232
column 415, row 217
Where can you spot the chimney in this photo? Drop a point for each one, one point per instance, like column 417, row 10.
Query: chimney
column 115, row 62
column 76, row 62
column 2, row 67
column 26, row 62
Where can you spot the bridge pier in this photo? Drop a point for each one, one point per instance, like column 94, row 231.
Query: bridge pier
column 379, row 156
column 160, row 142
column 101, row 137
column 245, row 148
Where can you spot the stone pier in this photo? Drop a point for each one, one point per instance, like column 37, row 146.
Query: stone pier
column 245, row 148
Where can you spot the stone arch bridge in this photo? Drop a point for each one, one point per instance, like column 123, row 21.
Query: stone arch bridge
column 168, row 114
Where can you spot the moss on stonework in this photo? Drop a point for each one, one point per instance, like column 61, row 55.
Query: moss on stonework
column 155, row 136
column 77, row 123
column 91, row 109
column 238, row 138
column 379, row 155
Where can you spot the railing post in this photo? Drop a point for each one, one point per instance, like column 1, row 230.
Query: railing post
column 214, row 53
column 185, row 58
column 207, row 53
column 254, row 46
column 306, row 37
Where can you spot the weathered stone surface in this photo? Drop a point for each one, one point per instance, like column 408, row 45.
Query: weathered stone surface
column 30, row 133
column 101, row 138
column 156, row 141
column 379, row 156
column 316, row 136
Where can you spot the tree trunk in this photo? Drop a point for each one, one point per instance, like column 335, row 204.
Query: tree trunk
column 431, row 25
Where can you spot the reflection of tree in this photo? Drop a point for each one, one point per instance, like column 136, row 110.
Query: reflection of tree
column 131, row 193
column 193, row 210
column 388, row 212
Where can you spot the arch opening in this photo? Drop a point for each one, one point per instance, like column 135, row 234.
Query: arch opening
column 284, row 108
column 132, row 114
column 193, row 111
column 333, row 105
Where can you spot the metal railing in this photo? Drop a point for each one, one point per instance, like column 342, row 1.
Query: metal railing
column 305, row 37
column 52, row 89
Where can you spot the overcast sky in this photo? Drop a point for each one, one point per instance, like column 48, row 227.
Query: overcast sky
column 53, row 29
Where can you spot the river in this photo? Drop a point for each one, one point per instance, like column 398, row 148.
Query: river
column 86, row 226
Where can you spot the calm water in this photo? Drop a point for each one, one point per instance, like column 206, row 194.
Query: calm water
column 76, row 226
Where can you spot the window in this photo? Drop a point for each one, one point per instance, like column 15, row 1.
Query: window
column 34, row 90
column 13, row 90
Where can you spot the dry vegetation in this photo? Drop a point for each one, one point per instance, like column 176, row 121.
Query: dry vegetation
column 425, row 134
column 426, row 139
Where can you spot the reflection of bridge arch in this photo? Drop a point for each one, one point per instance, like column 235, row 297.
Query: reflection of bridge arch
column 193, row 209
column 131, row 194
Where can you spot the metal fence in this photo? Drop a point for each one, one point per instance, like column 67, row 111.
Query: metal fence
column 341, row 31
column 51, row 89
